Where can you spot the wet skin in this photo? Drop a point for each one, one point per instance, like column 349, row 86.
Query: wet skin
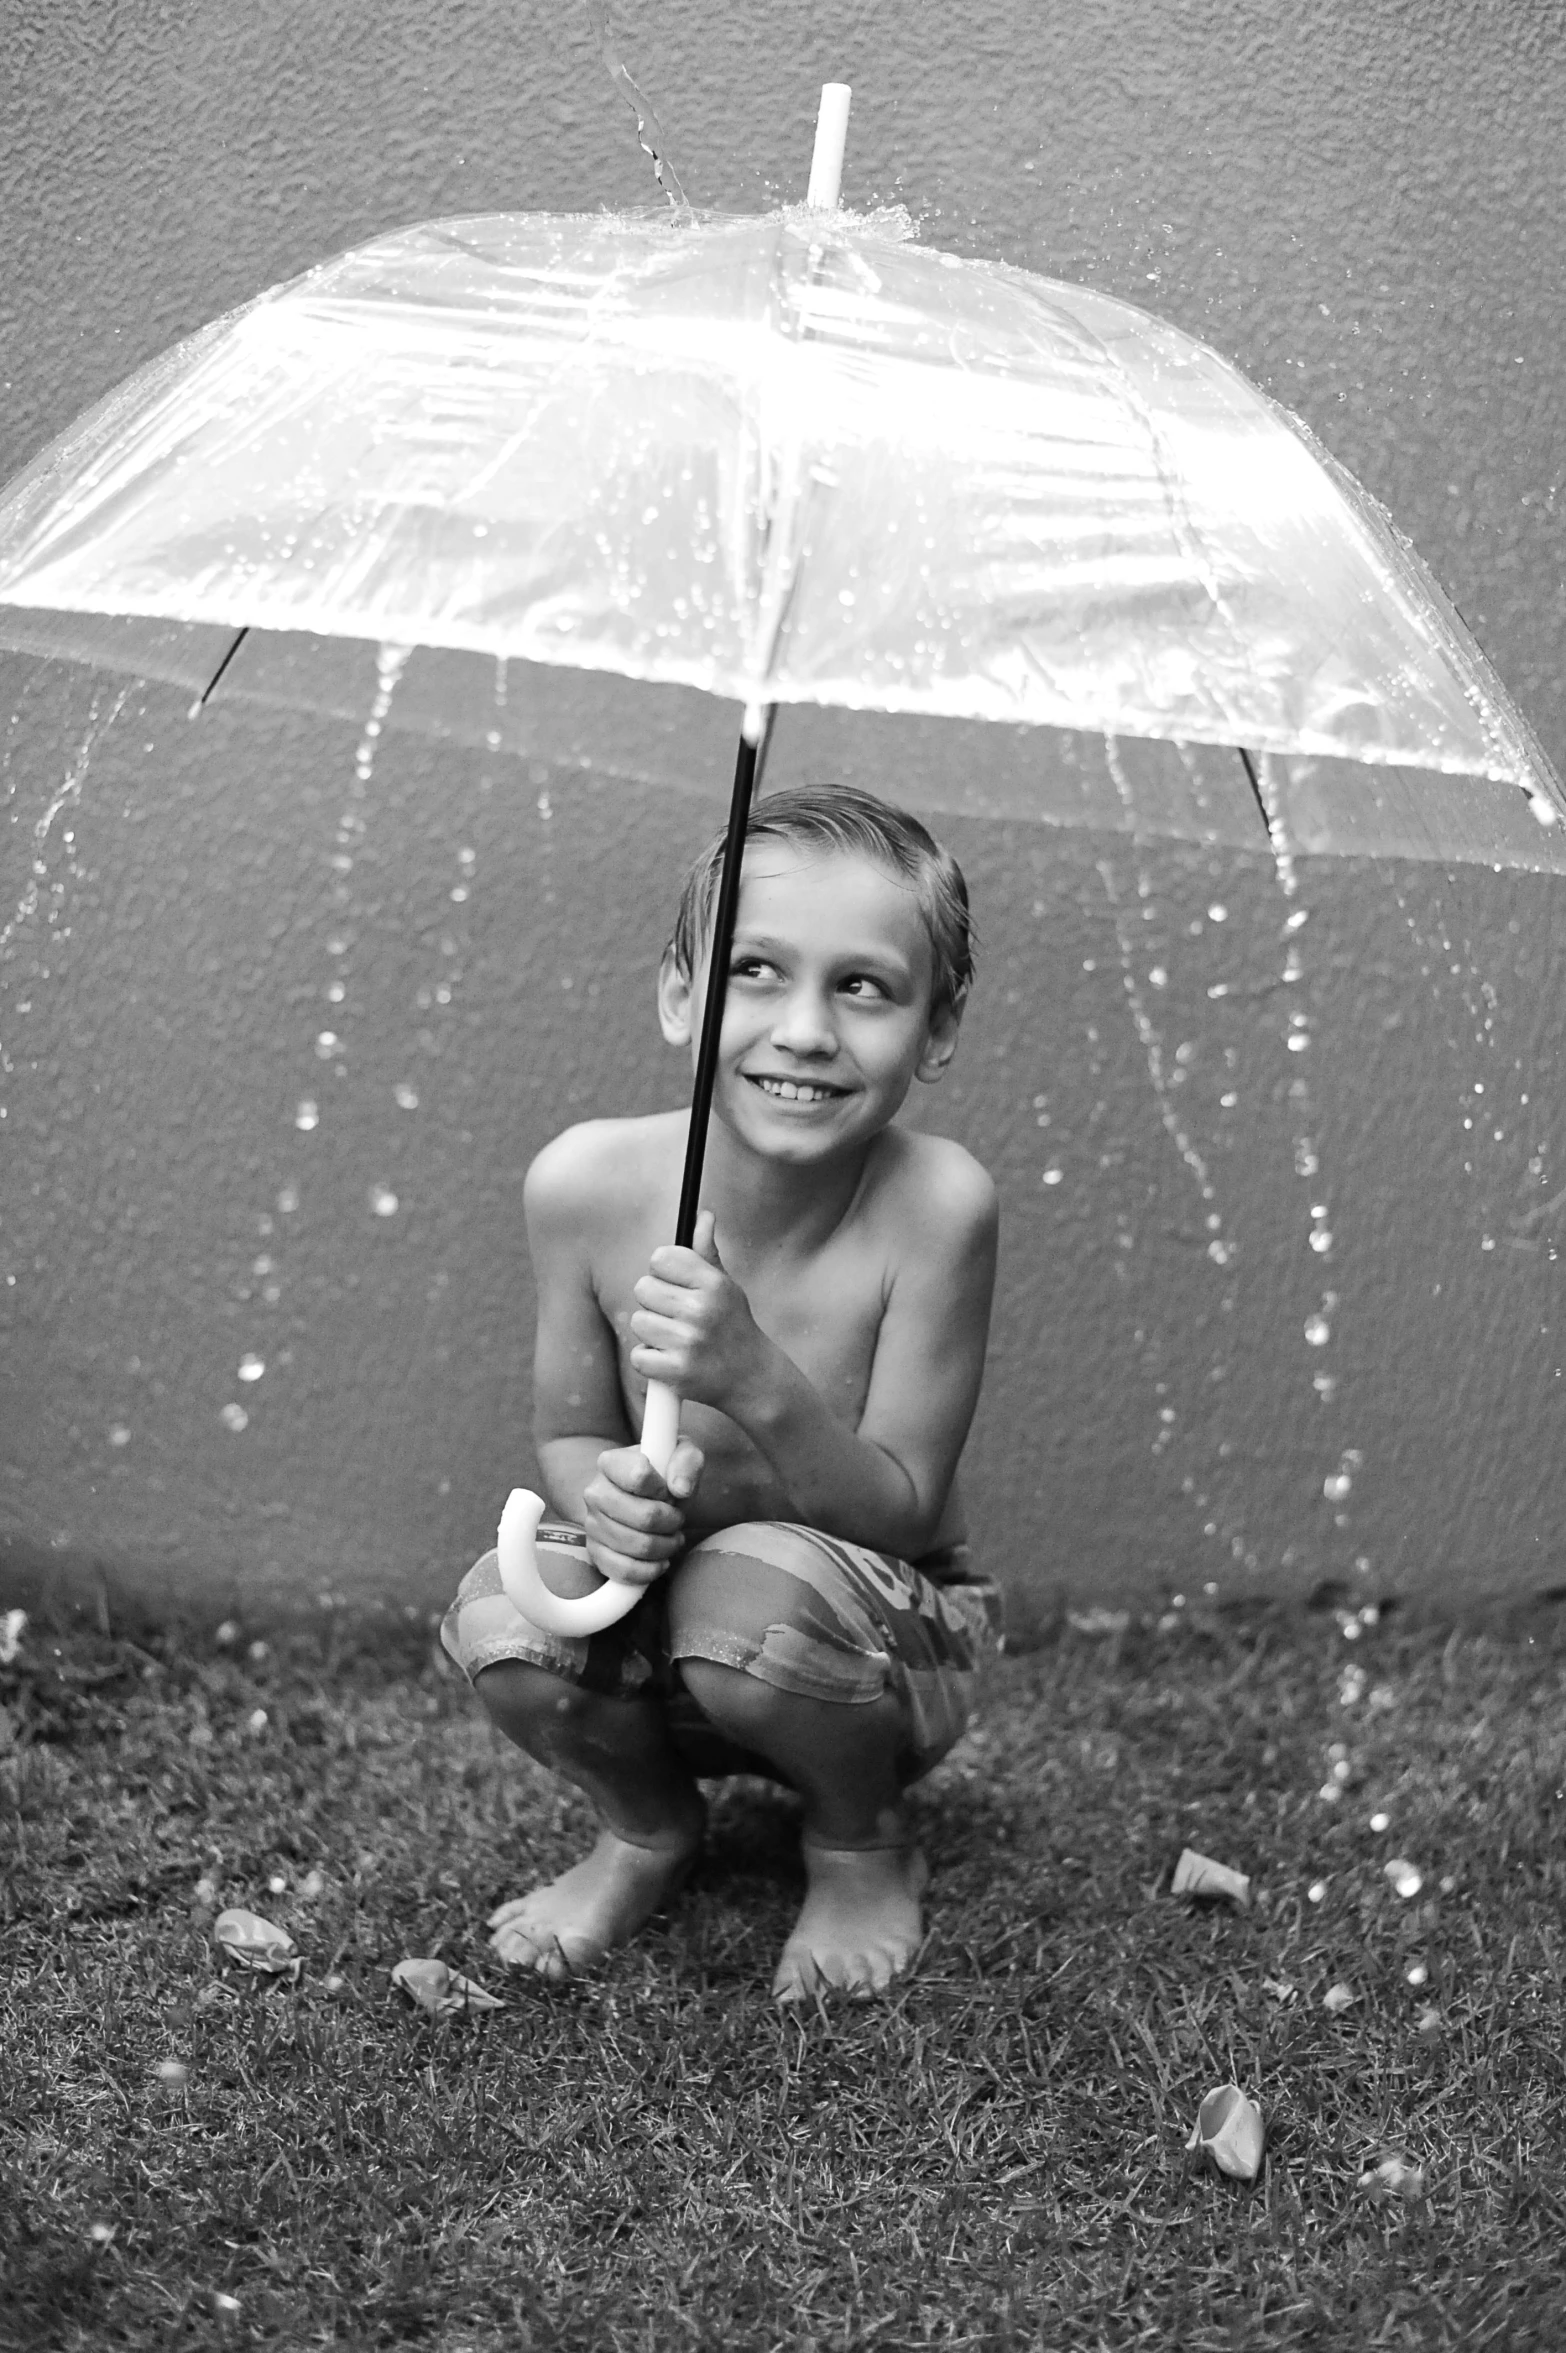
column 826, row 1336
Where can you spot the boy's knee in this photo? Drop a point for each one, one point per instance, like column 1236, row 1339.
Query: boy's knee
column 739, row 1704
column 528, row 1702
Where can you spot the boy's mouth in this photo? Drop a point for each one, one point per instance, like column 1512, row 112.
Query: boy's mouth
column 795, row 1090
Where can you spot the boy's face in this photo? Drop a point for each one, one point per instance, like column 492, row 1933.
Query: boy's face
column 828, row 1019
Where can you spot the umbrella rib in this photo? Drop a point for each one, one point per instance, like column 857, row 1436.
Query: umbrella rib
column 222, row 666
column 1254, row 781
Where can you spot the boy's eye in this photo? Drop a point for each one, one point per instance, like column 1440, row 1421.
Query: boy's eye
column 860, row 984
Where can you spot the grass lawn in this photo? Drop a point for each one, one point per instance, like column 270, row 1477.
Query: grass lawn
column 656, row 2157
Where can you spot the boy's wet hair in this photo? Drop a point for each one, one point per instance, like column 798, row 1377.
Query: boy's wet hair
column 841, row 817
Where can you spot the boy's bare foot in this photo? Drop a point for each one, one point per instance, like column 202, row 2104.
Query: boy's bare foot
column 600, row 1902
column 861, row 1922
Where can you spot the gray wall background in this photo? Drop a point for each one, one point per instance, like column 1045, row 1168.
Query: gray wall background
column 1364, row 209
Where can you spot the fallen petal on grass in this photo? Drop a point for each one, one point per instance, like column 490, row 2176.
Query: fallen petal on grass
column 257, row 1944
column 1429, row 2022
column 1229, row 2129
column 443, row 1992
column 1279, row 1989
column 1339, row 1998
column 1098, row 1621
column 1393, row 2178
column 1196, row 1874
column 13, row 1625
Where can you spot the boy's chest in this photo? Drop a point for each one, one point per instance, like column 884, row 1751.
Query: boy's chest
column 825, row 1315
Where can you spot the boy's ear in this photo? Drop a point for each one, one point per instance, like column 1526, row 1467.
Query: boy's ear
column 940, row 1041
column 676, row 1013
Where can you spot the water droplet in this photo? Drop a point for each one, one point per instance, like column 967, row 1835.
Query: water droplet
column 1404, row 1877
column 288, row 1200
column 407, row 1097
column 1317, row 1330
column 1336, row 1488
column 328, row 1044
column 1380, row 1822
column 1321, row 1239
column 1217, row 913
column 383, row 1201
column 234, row 1417
column 119, row 1435
column 1316, row 1893
column 307, row 1116
column 1052, row 1176
column 251, row 1367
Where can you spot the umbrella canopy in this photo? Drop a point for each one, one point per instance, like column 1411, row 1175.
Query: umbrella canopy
column 652, row 467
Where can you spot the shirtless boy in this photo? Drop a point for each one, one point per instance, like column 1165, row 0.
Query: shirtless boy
column 809, row 1613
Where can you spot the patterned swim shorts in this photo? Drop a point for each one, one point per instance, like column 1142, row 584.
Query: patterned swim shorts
column 802, row 1611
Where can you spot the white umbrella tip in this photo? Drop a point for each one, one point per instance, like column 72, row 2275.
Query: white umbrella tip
column 826, row 164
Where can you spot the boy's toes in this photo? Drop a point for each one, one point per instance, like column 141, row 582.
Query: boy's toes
column 797, row 1978
column 504, row 1914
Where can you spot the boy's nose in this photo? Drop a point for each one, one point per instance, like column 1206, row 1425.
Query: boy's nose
column 804, row 1025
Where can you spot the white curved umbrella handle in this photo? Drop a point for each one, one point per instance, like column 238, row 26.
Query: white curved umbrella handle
column 516, row 1541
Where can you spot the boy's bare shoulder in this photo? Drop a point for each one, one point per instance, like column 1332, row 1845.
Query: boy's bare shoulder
column 599, row 1165
column 931, row 1183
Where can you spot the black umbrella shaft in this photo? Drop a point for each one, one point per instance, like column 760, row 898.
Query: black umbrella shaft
column 719, row 952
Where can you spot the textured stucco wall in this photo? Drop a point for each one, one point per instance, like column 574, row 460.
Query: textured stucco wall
column 1363, row 209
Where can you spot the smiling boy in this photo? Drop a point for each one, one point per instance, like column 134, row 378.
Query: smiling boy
column 809, row 1612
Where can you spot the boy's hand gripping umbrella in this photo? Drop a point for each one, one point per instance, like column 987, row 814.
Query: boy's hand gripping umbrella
column 649, row 465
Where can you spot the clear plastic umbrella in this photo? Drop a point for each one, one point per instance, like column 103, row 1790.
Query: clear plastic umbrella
column 603, row 478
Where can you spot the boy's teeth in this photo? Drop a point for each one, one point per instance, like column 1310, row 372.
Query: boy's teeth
column 791, row 1093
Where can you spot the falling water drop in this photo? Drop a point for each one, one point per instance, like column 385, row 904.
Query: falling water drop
column 307, row 1116
column 234, row 1417
column 251, row 1367
column 407, row 1097
column 1317, row 1330
column 383, row 1201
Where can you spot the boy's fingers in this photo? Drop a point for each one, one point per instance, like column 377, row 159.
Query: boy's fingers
column 621, row 1567
column 671, row 1264
column 685, row 1468
column 633, row 1515
column 659, row 1297
column 628, row 1472
column 705, row 1239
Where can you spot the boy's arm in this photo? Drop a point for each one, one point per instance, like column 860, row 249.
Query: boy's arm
column 578, row 1410
column 593, row 1471
column 885, row 1484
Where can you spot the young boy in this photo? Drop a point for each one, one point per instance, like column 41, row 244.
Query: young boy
column 808, row 1611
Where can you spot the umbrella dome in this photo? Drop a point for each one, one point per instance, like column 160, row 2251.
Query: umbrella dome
column 796, row 459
